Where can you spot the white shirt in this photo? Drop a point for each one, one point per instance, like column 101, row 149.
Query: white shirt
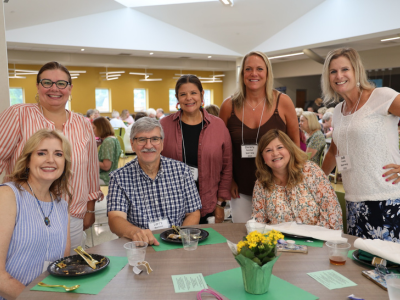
column 117, row 123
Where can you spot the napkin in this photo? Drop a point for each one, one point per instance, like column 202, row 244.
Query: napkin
column 315, row 232
column 384, row 249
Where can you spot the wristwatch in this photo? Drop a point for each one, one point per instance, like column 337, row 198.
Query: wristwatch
column 221, row 203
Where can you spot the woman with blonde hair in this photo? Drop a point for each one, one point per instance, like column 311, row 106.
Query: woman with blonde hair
column 365, row 146
column 289, row 188
column 34, row 219
column 315, row 138
column 253, row 110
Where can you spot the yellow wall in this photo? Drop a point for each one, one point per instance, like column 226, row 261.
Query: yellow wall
column 83, row 91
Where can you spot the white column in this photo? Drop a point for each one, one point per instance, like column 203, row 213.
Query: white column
column 4, row 84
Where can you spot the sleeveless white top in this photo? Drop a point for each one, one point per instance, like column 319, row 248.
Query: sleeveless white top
column 370, row 138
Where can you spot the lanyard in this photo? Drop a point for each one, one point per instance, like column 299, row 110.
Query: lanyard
column 259, row 125
column 347, row 128
column 183, row 141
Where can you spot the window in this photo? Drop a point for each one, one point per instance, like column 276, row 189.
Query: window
column 16, row 96
column 208, row 99
column 139, row 100
column 103, row 101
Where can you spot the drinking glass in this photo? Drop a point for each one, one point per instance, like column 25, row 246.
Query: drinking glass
column 135, row 251
column 393, row 286
column 338, row 252
column 190, row 238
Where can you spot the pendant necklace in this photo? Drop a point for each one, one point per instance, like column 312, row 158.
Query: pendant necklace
column 46, row 219
column 254, row 108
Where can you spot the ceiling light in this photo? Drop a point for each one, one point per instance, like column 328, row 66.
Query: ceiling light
column 139, row 3
column 287, row 55
column 151, row 79
column 146, row 76
column 390, row 39
column 227, row 2
column 209, row 56
column 111, row 75
column 74, row 77
column 151, row 53
column 143, row 74
column 82, row 49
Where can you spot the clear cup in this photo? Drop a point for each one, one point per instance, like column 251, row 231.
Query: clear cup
column 190, row 238
column 338, row 252
column 135, row 251
column 393, row 286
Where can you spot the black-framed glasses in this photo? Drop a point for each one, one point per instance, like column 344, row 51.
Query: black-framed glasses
column 61, row 84
column 154, row 140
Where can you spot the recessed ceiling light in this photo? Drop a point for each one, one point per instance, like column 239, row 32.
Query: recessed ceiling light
column 209, row 56
column 151, row 53
column 227, row 2
column 390, row 39
column 82, row 49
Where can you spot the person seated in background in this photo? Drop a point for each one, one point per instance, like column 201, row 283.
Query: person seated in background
column 317, row 104
column 299, row 111
column 160, row 113
column 327, row 124
column 212, row 109
column 126, row 117
column 34, row 219
column 291, row 189
column 151, row 113
column 90, row 115
column 151, row 192
column 110, row 148
column 320, row 114
column 140, row 115
column 96, row 113
column 315, row 139
column 115, row 121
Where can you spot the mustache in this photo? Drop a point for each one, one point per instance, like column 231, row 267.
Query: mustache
column 148, row 150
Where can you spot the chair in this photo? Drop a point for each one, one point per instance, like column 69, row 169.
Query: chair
column 123, row 155
column 322, row 156
column 119, row 132
column 342, row 202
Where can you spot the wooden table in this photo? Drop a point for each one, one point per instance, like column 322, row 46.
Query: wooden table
column 211, row 259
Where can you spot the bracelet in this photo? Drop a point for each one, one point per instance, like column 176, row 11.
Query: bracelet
column 90, row 211
column 220, row 206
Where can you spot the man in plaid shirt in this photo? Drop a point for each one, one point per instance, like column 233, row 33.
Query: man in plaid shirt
column 151, row 192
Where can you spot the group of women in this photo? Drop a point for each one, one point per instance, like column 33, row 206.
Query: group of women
column 250, row 155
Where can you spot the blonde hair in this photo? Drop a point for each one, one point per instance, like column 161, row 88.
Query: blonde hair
column 21, row 172
column 312, row 119
column 358, row 67
column 240, row 95
column 295, row 165
column 299, row 111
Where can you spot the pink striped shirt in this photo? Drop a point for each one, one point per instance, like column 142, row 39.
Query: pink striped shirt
column 19, row 122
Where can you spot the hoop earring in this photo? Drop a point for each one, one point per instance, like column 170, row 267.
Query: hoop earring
column 177, row 108
column 358, row 84
column 37, row 97
column 202, row 104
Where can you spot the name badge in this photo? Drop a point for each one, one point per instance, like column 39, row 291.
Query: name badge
column 343, row 163
column 161, row 224
column 249, row 151
column 45, row 265
column 195, row 173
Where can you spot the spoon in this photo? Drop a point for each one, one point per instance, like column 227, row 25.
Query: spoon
column 68, row 289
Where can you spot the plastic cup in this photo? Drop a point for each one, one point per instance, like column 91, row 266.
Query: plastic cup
column 393, row 286
column 338, row 252
column 190, row 238
column 135, row 251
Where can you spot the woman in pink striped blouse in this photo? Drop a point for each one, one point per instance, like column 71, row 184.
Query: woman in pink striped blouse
column 19, row 122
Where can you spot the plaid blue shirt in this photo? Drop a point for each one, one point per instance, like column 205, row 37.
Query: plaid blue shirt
column 172, row 194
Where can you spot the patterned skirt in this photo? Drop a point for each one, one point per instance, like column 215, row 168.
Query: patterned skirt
column 374, row 219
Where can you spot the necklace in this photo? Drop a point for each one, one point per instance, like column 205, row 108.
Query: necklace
column 254, row 108
column 46, row 219
column 354, row 107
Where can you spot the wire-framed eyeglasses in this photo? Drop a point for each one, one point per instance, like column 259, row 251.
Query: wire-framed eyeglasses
column 47, row 83
column 154, row 140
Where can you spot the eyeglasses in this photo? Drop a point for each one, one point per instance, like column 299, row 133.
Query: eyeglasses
column 61, row 84
column 155, row 140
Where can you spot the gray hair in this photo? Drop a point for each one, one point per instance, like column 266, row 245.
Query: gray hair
column 115, row 114
column 327, row 116
column 145, row 124
column 89, row 113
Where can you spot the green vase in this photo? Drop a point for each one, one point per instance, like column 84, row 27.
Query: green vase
column 256, row 279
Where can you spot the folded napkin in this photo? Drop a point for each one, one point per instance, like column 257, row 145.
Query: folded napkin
column 387, row 250
column 315, row 232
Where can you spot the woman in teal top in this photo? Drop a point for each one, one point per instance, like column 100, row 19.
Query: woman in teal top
column 110, row 149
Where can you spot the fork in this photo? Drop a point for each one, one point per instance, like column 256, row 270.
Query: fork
column 87, row 254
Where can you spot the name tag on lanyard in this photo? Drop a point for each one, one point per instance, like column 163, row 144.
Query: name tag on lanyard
column 343, row 162
column 195, row 172
column 160, row 224
column 249, row 151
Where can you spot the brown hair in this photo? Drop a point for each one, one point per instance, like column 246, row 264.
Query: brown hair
column 21, row 172
column 358, row 67
column 240, row 95
column 53, row 65
column 188, row 79
column 295, row 165
column 103, row 127
column 212, row 109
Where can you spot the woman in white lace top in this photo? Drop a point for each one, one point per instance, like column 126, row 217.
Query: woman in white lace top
column 365, row 146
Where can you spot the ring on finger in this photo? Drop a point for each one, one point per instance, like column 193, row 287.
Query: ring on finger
column 398, row 174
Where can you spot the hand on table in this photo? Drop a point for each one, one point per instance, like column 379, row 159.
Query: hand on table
column 393, row 173
column 145, row 235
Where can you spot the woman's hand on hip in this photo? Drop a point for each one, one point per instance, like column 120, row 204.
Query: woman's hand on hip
column 392, row 174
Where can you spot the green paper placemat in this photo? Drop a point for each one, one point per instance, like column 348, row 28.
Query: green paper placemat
column 90, row 284
column 214, row 238
column 350, row 254
column 314, row 243
column 230, row 284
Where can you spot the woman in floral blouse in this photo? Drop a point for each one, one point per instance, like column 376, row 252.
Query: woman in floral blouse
column 290, row 188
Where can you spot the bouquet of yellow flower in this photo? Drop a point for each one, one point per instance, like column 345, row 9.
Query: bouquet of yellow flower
column 259, row 247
